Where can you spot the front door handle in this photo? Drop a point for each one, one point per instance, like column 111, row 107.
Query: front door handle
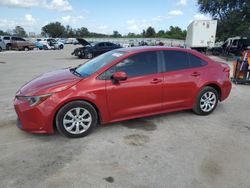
column 195, row 74
column 156, row 81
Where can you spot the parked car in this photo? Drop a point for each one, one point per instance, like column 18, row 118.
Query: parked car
column 90, row 50
column 41, row 46
column 233, row 45
column 18, row 43
column 7, row 41
column 119, row 85
column 49, row 44
column 2, row 45
column 62, row 40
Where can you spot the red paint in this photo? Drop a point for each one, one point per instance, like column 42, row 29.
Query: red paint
column 131, row 98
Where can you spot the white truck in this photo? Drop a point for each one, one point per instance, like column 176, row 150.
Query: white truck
column 201, row 34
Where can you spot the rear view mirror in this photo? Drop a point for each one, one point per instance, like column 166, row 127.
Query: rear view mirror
column 119, row 76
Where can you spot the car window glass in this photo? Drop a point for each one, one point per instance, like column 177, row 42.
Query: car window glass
column 109, row 44
column 196, row 61
column 234, row 43
column 175, row 60
column 137, row 65
column 6, row 38
column 101, row 44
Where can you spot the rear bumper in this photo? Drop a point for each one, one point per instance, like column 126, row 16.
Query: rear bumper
column 225, row 90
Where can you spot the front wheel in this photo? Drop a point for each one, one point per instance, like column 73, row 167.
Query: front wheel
column 206, row 101
column 76, row 119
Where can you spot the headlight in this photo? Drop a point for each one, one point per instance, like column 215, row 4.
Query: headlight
column 34, row 100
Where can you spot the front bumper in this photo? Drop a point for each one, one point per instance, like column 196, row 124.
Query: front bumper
column 37, row 119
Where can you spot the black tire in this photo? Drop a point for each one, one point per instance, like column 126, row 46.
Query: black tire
column 89, row 55
column 62, row 116
column 8, row 46
column 1, row 49
column 26, row 49
column 204, row 104
column 61, row 47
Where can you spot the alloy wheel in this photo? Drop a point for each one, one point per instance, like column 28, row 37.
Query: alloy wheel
column 208, row 101
column 77, row 120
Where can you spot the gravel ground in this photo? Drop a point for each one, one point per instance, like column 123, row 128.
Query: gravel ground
column 171, row 150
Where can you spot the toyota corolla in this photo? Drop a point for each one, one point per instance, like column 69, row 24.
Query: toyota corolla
column 119, row 85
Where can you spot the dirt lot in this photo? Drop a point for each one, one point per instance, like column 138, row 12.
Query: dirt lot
column 172, row 150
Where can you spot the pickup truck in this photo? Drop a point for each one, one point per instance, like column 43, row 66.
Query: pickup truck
column 18, row 43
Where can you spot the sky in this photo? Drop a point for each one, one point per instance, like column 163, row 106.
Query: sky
column 102, row 16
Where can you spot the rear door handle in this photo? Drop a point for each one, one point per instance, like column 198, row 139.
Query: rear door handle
column 195, row 74
column 156, row 81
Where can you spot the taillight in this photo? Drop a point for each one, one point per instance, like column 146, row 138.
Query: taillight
column 226, row 69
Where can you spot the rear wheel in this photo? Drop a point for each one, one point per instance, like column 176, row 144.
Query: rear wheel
column 61, row 47
column 89, row 55
column 8, row 46
column 206, row 101
column 1, row 49
column 26, row 49
column 76, row 119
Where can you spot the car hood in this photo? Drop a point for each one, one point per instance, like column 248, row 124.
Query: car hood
column 83, row 42
column 50, row 82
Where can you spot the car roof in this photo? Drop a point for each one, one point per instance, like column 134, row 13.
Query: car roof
column 160, row 48
column 150, row 48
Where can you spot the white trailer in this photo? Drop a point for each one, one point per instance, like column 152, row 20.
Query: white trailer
column 201, row 34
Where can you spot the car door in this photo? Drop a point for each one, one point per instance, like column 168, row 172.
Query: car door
column 141, row 93
column 110, row 46
column 180, row 80
column 99, row 48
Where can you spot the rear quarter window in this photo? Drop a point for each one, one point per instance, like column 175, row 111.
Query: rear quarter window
column 195, row 61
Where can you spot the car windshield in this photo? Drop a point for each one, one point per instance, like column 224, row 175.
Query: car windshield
column 97, row 63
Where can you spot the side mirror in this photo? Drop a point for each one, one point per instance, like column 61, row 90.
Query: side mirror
column 119, row 76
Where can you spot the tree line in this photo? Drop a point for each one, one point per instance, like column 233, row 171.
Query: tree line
column 57, row 30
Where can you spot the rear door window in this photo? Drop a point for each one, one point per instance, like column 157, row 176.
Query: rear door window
column 109, row 44
column 6, row 38
column 101, row 45
column 175, row 60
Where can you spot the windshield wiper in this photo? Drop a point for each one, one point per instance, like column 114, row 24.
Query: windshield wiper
column 73, row 71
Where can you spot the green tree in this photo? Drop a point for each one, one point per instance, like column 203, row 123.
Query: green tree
column 233, row 16
column 19, row 31
column 4, row 32
column 83, row 32
column 53, row 29
column 161, row 33
column 116, row 34
column 150, row 32
column 175, row 33
column 131, row 35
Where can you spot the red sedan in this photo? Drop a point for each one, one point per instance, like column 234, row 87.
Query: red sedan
column 119, row 85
